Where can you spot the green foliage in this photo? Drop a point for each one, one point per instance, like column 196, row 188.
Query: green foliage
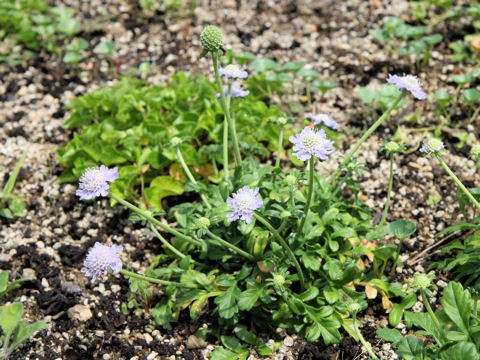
column 6, row 286
column 129, row 125
column 456, row 337
column 10, row 204
column 37, row 26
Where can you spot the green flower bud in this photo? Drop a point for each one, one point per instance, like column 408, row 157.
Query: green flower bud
column 175, row 141
column 278, row 280
column 392, row 146
column 212, row 39
column 475, row 151
column 353, row 307
column 421, row 281
column 281, row 121
column 290, row 180
column 202, row 223
column 285, row 214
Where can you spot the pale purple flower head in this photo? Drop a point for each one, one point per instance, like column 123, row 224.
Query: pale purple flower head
column 100, row 258
column 323, row 118
column 311, row 143
column 233, row 71
column 235, row 92
column 94, row 182
column 243, row 203
column 433, row 146
column 410, row 83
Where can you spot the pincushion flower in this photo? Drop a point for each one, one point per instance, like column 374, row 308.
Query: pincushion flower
column 311, row 143
column 433, row 146
column 94, row 182
column 243, row 203
column 100, row 258
column 323, row 118
column 410, row 83
column 235, row 92
column 233, row 71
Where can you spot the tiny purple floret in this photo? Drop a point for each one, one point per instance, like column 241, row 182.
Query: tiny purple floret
column 100, row 258
column 94, row 182
column 235, row 92
column 311, row 143
column 233, row 71
column 243, row 203
column 323, row 118
column 410, row 83
column 432, row 146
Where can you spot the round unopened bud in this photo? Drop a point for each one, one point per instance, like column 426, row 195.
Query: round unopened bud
column 278, row 280
column 475, row 151
column 202, row 223
column 351, row 166
column 290, row 180
column 282, row 120
column 392, row 146
column 421, row 281
column 175, row 141
column 212, row 39
column 353, row 307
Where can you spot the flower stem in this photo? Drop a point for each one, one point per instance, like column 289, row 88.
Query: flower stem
column 166, row 243
column 231, row 246
column 362, row 339
column 284, row 244
column 226, row 110
column 431, row 313
column 190, row 176
column 394, row 265
column 150, row 218
column 389, row 192
column 310, row 194
column 280, row 146
column 457, row 181
column 156, row 281
column 365, row 136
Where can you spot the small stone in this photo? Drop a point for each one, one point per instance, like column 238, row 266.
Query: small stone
column 80, row 312
column 28, row 272
column 148, row 338
column 288, row 341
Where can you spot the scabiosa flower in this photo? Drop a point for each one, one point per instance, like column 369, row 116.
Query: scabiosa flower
column 410, row 83
column 243, row 203
column 311, row 143
column 433, row 146
column 94, row 182
column 323, row 118
column 233, row 71
column 100, row 258
column 235, row 92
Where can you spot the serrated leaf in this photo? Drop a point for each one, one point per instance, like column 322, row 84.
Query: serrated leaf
column 460, row 351
column 390, row 335
column 458, row 305
column 227, row 302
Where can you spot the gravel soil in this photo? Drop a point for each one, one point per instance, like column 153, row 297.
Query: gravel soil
column 84, row 321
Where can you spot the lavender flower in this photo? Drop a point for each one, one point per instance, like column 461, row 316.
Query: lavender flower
column 94, row 182
column 235, row 92
column 433, row 146
column 243, row 203
column 311, row 143
column 410, row 83
column 100, row 258
column 325, row 118
column 233, row 71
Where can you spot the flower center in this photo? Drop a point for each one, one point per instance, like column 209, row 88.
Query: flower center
column 311, row 140
column 244, row 201
column 411, row 80
column 232, row 68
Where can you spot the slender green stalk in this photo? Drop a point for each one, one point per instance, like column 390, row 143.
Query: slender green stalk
column 280, row 147
column 231, row 246
column 149, row 217
column 309, row 96
column 389, row 192
column 431, row 313
column 156, row 281
column 362, row 339
column 474, row 116
column 225, row 149
column 233, row 132
column 310, row 193
column 394, row 266
column 365, row 136
column 190, row 176
column 166, row 243
column 457, row 181
column 284, row 244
